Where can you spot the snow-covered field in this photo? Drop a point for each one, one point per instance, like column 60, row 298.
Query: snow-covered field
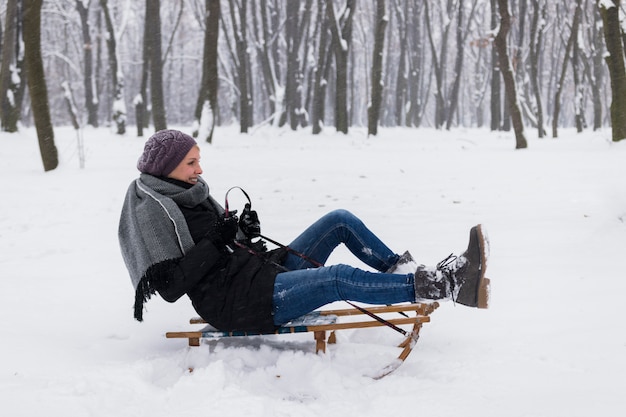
column 552, row 344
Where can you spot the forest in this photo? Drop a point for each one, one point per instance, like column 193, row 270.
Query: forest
column 531, row 66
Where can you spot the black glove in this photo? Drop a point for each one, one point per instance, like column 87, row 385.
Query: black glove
column 249, row 223
column 227, row 227
column 223, row 230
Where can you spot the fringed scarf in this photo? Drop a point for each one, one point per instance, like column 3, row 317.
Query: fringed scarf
column 153, row 232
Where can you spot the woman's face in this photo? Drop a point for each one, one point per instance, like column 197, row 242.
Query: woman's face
column 189, row 168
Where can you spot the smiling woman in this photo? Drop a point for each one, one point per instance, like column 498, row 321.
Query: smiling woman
column 176, row 240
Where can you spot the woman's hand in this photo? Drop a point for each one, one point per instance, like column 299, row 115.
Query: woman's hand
column 249, row 223
column 227, row 228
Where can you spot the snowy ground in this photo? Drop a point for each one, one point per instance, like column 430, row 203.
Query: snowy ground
column 552, row 344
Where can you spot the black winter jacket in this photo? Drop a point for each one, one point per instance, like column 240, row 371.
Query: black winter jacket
column 231, row 291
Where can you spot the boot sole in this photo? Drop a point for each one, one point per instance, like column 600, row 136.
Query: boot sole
column 484, row 293
column 484, row 284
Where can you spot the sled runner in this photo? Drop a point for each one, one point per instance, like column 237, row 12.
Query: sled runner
column 320, row 322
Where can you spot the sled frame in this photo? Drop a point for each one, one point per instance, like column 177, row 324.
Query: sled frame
column 415, row 314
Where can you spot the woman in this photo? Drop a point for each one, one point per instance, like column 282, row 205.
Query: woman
column 176, row 239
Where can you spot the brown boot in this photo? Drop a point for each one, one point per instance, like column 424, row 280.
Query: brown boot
column 470, row 277
column 460, row 278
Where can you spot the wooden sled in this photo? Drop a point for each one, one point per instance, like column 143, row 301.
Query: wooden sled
column 320, row 322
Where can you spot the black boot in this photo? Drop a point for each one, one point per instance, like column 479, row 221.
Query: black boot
column 460, row 278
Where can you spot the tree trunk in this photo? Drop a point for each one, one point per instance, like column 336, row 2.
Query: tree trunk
column 617, row 71
column 99, row 48
column 377, row 68
column 12, row 80
column 536, row 45
column 458, row 67
column 153, row 20
column 519, row 60
column 579, row 90
column 461, row 37
column 240, row 33
column 596, row 69
column 341, row 30
column 440, row 107
column 207, row 105
column 119, row 106
column 496, row 103
column 418, row 93
column 321, row 73
column 142, row 115
column 37, row 83
column 571, row 43
column 264, row 47
column 294, row 28
column 401, row 90
column 507, row 74
column 91, row 101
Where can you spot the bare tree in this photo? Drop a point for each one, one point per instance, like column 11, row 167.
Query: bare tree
column 579, row 78
column 594, row 61
column 207, row 106
column 536, row 45
column 296, row 61
column 265, row 19
column 295, row 27
column 341, row 29
column 153, row 21
column 12, row 80
column 91, row 99
column 238, row 14
column 37, row 84
column 439, row 59
column 496, row 103
column 402, row 82
column 571, row 44
column 142, row 110
column 119, row 106
column 321, row 70
column 507, row 74
column 461, row 39
column 615, row 62
column 377, row 68
column 418, row 87
column 480, row 78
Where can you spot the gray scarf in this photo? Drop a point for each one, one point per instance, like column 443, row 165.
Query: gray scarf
column 153, row 231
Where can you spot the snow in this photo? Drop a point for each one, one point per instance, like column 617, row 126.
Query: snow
column 206, row 121
column 552, row 343
column 607, row 4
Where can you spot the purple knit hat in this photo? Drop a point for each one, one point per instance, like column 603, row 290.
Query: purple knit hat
column 163, row 152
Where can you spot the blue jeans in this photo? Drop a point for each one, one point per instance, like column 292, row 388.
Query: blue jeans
column 305, row 288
